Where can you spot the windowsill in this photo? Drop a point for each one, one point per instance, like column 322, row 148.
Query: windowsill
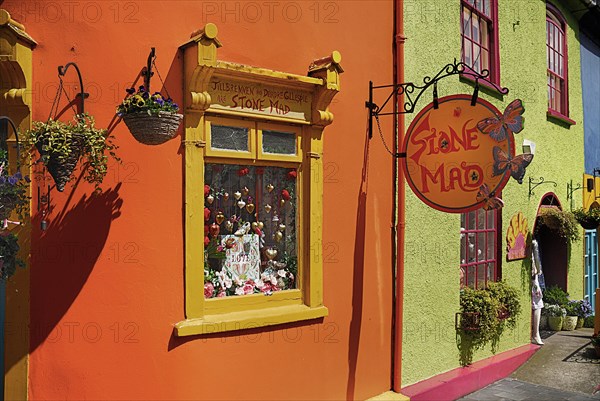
column 483, row 84
column 554, row 115
column 248, row 319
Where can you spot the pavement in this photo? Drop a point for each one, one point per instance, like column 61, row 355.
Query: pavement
column 564, row 368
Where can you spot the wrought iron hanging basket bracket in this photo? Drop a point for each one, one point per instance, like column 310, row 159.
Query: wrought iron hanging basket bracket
column 533, row 184
column 62, row 70
column 147, row 72
column 412, row 92
column 4, row 138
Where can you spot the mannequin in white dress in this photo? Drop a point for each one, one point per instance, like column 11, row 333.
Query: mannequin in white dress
column 536, row 293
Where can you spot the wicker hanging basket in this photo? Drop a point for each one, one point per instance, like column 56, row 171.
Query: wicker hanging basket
column 61, row 168
column 153, row 129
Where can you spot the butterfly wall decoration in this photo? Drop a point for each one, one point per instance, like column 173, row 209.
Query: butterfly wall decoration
column 489, row 199
column 516, row 165
column 511, row 121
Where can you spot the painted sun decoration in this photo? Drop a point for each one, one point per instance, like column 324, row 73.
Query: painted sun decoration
column 516, row 237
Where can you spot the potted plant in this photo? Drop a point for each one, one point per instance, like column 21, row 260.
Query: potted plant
column 596, row 343
column 9, row 247
column 570, row 320
column 560, row 222
column 556, row 315
column 554, row 295
column 61, row 145
column 544, row 319
column 589, row 219
column 151, row 119
column 13, row 190
column 508, row 299
column 583, row 309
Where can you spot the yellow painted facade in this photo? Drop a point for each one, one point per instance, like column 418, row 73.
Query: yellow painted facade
column 15, row 102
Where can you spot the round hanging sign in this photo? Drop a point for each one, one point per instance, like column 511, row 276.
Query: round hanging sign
column 459, row 156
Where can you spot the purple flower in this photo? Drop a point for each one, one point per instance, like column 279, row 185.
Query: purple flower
column 142, row 89
column 2, row 180
column 12, row 180
column 27, row 179
column 18, row 175
column 160, row 102
column 131, row 91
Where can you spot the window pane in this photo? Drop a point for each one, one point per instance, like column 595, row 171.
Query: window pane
column 480, row 219
column 491, row 246
column 251, row 230
column 491, row 273
column 472, row 249
column 279, row 142
column 481, row 254
column 229, row 138
column 491, row 217
column 475, row 27
column 471, row 276
column 481, row 276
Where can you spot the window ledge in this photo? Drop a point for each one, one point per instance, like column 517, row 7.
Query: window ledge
column 248, row 319
column 551, row 114
column 483, row 84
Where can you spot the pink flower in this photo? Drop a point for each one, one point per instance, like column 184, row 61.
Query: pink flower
column 209, row 290
column 206, row 214
column 221, row 294
column 206, row 190
column 206, row 241
column 266, row 288
column 248, row 287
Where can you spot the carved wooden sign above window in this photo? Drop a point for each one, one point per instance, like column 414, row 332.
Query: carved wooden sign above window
column 257, row 98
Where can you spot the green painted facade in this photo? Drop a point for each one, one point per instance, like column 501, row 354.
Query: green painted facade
column 431, row 293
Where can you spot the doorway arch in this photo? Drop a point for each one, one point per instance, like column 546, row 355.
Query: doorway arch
column 554, row 250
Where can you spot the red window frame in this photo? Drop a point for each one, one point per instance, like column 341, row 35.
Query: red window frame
column 557, row 62
column 485, row 13
column 476, row 227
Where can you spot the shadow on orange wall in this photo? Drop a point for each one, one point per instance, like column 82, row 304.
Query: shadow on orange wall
column 360, row 241
column 64, row 256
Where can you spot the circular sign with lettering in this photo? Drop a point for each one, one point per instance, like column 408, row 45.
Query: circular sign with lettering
column 453, row 160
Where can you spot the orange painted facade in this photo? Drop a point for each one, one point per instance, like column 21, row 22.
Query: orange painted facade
column 107, row 276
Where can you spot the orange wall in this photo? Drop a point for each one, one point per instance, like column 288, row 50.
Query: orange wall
column 107, row 276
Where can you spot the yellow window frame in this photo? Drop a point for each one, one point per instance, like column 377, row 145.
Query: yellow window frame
column 205, row 316
column 216, row 152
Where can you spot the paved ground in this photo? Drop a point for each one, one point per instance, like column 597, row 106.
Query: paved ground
column 565, row 368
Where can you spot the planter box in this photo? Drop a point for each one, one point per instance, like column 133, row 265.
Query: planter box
column 580, row 321
column 543, row 322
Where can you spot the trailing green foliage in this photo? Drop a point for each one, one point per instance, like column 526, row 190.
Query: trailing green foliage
column 587, row 218
column 485, row 305
column 560, row 222
column 9, row 247
column 555, row 295
column 55, row 139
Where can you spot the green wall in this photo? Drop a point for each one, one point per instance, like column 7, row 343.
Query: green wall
column 431, row 293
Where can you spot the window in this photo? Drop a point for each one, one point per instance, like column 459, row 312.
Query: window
column 479, row 32
column 251, row 219
column 556, row 53
column 479, row 261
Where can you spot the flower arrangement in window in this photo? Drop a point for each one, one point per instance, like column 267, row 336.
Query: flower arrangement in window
column 250, row 230
column 151, row 118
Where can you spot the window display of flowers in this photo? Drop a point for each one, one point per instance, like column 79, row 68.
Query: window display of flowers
column 249, row 230
column 13, row 191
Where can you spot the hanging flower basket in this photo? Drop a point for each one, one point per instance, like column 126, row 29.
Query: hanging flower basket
column 589, row 219
column 153, row 129
column 61, row 145
column 503, row 313
column 60, row 166
column 468, row 321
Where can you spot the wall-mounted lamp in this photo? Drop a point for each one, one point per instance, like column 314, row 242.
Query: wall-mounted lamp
column 589, row 184
column 528, row 146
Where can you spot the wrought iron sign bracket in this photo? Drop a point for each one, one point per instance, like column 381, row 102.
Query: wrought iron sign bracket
column 533, row 185
column 82, row 94
column 414, row 92
column 570, row 189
